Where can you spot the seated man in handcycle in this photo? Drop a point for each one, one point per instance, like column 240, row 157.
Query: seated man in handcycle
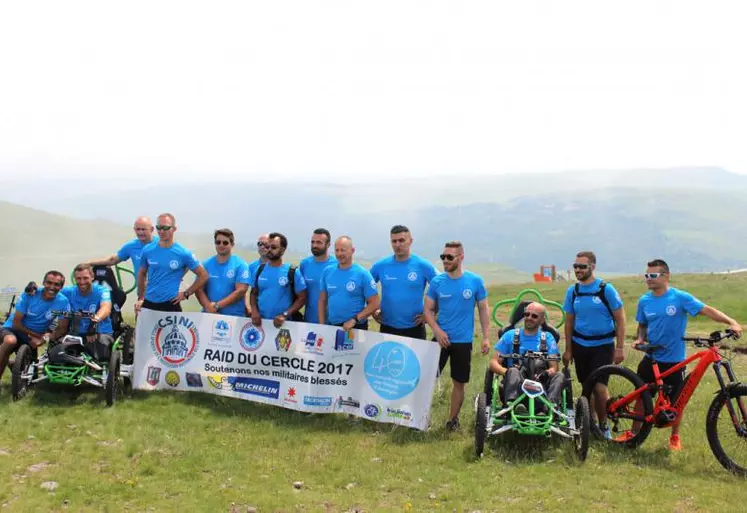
column 529, row 338
column 31, row 321
column 91, row 297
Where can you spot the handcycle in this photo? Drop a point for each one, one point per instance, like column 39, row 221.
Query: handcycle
column 494, row 416
column 632, row 412
column 70, row 362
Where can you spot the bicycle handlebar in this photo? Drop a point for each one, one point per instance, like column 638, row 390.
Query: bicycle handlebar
column 714, row 337
column 72, row 314
column 533, row 355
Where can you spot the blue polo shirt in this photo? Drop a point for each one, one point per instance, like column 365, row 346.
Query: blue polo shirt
column 403, row 285
column 222, row 280
column 456, row 299
column 166, row 268
column 37, row 311
column 592, row 317
column 347, row 291
column 312, row 271
column 91, row 303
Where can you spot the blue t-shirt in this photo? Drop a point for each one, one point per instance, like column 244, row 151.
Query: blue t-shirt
column 526, row 343
column 165, row 270
column 402, row 288
column 133, row 250
column 592, row 317
column 312, row 273
column 222, row 280
column 347, row 291
column 274, row 290
column 666, row 320
column 456, row 300
column 37, row 311
column 90, row 303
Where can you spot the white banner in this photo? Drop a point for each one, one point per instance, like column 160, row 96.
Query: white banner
column 306, row 367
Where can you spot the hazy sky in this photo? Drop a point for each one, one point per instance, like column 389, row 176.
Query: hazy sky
column 281, row 89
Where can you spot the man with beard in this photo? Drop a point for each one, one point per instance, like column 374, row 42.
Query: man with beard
column 312, row 268
column 348, row 291
column 133, row 249
column 228, row 278
column 453, row 295
column 530, row 338
column 91, row 297
column 162, row 268
column 594, row 318
column 30, row 321
column 262, row 245
column 279, row 290
column 403, row 277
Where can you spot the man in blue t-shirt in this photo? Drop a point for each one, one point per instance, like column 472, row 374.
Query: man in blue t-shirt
column 453, row 295
column 33, row 315
column 348, row 293
column 228, row 278
column 131, row 250
column 594, row 319
column 530, row 339
column 662, row 321
column 279, row 290
column 403, row 277
column 162, row 267
column 312, row 268
column 96, row 299
column 263, row 245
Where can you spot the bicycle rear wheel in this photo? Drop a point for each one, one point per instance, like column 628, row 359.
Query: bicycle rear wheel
column 620, row 382
column 726, row 427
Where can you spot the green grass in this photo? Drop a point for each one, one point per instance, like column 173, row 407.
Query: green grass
column 193, row 452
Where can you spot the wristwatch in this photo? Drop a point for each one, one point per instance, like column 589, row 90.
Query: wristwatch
column 186, row 294
column 215, row 305
column 285, row 314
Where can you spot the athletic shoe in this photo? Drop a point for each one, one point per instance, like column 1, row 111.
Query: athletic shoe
column 674, row 443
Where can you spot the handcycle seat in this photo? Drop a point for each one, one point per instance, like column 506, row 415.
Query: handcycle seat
column 104, row 275
column 518, row 316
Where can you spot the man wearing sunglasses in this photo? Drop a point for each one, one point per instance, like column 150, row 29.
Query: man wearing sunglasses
column 348, row 291
column 133, row 249
column 162, row 267
column 530, row 339
column 30, row 321
column 453, row 295
column 662, row 321
column 228, row 278
column 312, row 267
column 594, row 319
column 403, row 277
column 278, row 290
column 263, row 243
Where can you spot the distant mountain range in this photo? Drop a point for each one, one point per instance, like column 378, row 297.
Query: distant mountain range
column 692, row 217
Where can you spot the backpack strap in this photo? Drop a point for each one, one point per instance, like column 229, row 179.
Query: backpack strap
column 292, row 282
column 600, row 293
column 517, row 340
column 256, row 276
column 543, row 342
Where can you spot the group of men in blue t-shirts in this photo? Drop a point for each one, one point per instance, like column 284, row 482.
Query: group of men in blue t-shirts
column 332, row 289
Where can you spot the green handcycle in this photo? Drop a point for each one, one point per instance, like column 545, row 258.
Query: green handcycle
column 538, row 416
column 72, row 362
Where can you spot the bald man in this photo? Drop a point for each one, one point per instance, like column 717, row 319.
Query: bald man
column 133, row 249
column 515, row 372
column 348, row 294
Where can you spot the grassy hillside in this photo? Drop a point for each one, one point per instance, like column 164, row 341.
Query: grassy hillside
column 193, row 452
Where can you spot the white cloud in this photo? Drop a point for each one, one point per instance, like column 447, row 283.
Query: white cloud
column 334, row 89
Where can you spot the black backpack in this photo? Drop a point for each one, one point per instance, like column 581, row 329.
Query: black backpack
column 600, row 294
column 297, row 316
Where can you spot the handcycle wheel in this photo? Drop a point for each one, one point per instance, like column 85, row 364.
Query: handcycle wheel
column 488, row 386
column 621, row 382
column 113, row 385
column 727, row 435
column 128, row 346
column 24, row 359
column 481, row 424
column 583, row 423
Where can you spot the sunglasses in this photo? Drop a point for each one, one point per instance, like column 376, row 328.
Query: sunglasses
column 447, row 257
column 272, row 247
column 222, row 242
column 262, row 244
column 653, row 276
column 531, row 315
column 580, row 266
column 163, row 228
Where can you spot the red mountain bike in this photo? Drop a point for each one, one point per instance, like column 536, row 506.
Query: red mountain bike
column 632, row 413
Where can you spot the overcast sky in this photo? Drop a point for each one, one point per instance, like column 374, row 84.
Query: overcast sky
column 282, row 89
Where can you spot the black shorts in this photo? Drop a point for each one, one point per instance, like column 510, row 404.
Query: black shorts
column 589, row 359
column 414, row 332
column 672, row 383
column 165, row 306
column 461, row 361
column 21, row 337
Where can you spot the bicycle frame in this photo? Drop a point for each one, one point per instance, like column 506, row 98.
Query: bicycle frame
column 707, row 358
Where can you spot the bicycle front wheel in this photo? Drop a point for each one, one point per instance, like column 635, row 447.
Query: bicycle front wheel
column 726, row 427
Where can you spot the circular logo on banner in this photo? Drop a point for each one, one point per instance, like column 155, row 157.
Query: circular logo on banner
column 172, row 378
column 174, row 340
column 251, row 337
column 392, row 370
